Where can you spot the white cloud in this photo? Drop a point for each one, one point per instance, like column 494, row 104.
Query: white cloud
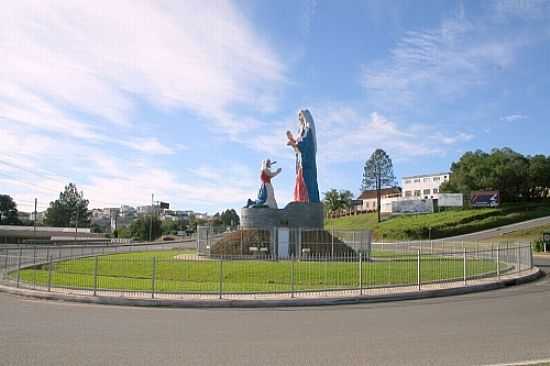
column 444, row 61
column 452, row 139
column 344, row 135
column 513, row 117
column 148, row 145
column 96, row 59
column 532, row 9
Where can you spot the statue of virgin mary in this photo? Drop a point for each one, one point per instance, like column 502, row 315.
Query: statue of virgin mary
column 305, row 147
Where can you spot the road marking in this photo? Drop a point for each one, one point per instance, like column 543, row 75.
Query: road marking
column 522, row 363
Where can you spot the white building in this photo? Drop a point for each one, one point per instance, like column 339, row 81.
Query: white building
column 368, row 199
column 423, row 186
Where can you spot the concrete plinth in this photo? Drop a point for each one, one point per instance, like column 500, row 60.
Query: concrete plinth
column 295, row 214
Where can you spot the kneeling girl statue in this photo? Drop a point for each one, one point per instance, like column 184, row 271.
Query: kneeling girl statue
column 266, row 195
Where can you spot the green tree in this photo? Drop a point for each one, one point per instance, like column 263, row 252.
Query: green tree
column 226, row 218
column 539, row 177
column 170, row 227
column 8, row 210
column 230, row 218
column 68, row 209
column 122, row 232
column 335, row 201
column 139, row 228
column 378, row 174
column 516, row 176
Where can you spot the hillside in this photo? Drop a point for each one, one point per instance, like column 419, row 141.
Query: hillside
column 443, row 224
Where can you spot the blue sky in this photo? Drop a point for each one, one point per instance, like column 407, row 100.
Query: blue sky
column 184, row 99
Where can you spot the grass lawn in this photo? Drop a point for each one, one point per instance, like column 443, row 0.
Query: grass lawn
column 443, row 224
column 133, row 271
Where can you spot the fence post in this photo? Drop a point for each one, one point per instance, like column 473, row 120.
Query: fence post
column 292, row 274
column 361, row 273
column 465, row 274
column 518, row 259
column 418, row 279
column 50, row 260
column 221, row 277
column 332, row 241
column 6, row 260
column 34, row 268
column 498, row 261
column 95, row 274
column 19, row 265
column 530, row 256
column 153, row 277
column 241, row 232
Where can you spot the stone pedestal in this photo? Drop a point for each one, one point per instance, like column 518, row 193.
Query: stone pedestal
column 295, row 214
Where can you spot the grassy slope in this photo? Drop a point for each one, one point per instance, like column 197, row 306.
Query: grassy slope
column 133, row 272
column 527, row 234
column 443, row 224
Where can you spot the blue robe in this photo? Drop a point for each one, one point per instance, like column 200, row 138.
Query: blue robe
column 309, row 166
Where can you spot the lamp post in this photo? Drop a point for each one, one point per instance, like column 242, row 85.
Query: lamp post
column 152, row 212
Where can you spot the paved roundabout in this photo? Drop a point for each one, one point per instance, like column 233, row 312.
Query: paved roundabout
column 502, row 326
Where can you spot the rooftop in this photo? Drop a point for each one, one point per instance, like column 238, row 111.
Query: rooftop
column 384, row 191
column 427, row 175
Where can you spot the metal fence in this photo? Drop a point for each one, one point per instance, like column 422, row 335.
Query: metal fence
column 94, row 271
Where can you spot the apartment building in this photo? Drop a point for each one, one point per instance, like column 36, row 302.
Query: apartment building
column 423, row 186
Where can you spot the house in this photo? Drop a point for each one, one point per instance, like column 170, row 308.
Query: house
column 424, row 186
column 368, row 198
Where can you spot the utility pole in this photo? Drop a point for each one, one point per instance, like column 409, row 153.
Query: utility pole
column 34, row 223
column 151, row 222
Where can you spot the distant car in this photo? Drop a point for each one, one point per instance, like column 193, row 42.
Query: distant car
column 168, row 238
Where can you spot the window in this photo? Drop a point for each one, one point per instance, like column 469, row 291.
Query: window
column 427, row 192
column 408, row 194
column 417, row 180
column 426, row 180
column 418, row 193
column 407, row 181
column 437, row 179
column 436, row 191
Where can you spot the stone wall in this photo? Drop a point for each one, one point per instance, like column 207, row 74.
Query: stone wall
column 295, row 214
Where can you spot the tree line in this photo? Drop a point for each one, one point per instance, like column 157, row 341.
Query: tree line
column 71, row 209
column 518, row 177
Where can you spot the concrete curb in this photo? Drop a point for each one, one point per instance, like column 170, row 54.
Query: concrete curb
column 268, row 303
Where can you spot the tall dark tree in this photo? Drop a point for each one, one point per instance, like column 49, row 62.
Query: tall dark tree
column 68, row 209
column 230, row 218
column 378, row 174
column 8, row 210
column 227, row 218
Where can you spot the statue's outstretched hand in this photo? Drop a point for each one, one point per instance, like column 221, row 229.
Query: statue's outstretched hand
column 290, row 137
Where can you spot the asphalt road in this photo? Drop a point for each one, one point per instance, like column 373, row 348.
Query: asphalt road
column 496, row 232
column 501, row 326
